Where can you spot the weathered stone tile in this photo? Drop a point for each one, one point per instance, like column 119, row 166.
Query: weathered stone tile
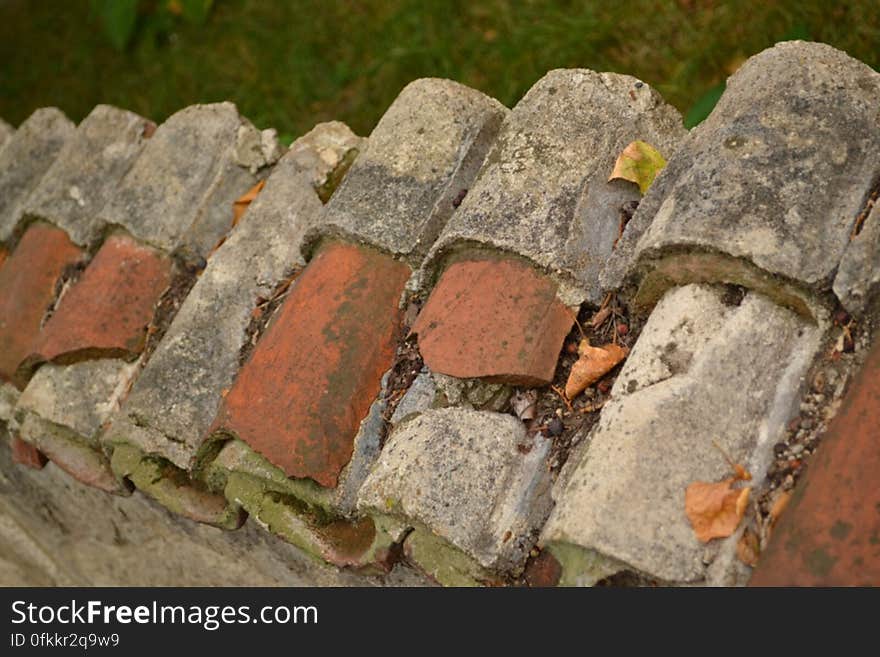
column 497, row 319
column 543, row 192
column 312, row 378
column 62, row 410
column 424, row 152
column 858, row 277
column 172, row 404
column 28, row 282
column 87, row 172
column 764, row 193
column 79, row 396
column 829, row 534
column 471, row 484
column 24, row 158
column 702, row 373
column 178, row 192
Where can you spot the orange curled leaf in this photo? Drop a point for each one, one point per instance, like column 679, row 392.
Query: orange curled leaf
column 593, row 364
column 242, row 202
column 715, row 509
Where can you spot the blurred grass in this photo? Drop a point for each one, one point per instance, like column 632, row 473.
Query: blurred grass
column 292, row 64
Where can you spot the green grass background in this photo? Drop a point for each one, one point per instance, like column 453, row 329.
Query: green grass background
column 292, row 64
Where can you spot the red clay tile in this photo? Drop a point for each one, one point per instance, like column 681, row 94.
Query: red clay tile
column 28, row 283
column 496, row 319
column 830, row 533
column 106, row 312
column 312, row 378
column 26, row 454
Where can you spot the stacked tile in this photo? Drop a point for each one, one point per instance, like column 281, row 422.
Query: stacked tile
column 764, row 195
column 147, row 203
column 511, row 267
column 28, row 282
column 169, row 412
column 302, row 423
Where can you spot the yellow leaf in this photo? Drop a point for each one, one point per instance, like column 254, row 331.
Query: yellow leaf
column 639, row 163
column 593, row 364
column 715, row 510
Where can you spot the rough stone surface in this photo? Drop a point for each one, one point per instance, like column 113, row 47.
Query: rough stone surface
column 28, row 282
column 829, row 534
column 79, row 397
column 54, row 531
column 544, row 193
column 419, row 397
column 702, row 371
column 107, row 311
column 493, row 319
column 472, row 478
column 179, row 191
column 87, row 172
column 858, row 277
column 773, row 180
column 24, row 158
column 9, row 395
column 424, row 151
column 312, row 378
column 172, row 404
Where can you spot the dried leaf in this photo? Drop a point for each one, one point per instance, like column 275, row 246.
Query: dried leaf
column 525, row 404
column 779, row 505
column 639, row 163
column 243, row 202
column 593, row 364
column 747, row 549
column 715, row 509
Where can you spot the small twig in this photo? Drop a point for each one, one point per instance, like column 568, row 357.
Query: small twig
column 562, row 397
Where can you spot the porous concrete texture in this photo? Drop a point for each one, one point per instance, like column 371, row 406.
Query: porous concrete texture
column 173, row 402
column 341, row 440
column 79, row 396
column 87, row 171
column 421, row 156
column 543, row 192
column 765, row 191
column 24, row 157
column 858, row 277
column 419, row 397
column 55, row 531
column 472, row 479
column 705, row 380
column 178, row 192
